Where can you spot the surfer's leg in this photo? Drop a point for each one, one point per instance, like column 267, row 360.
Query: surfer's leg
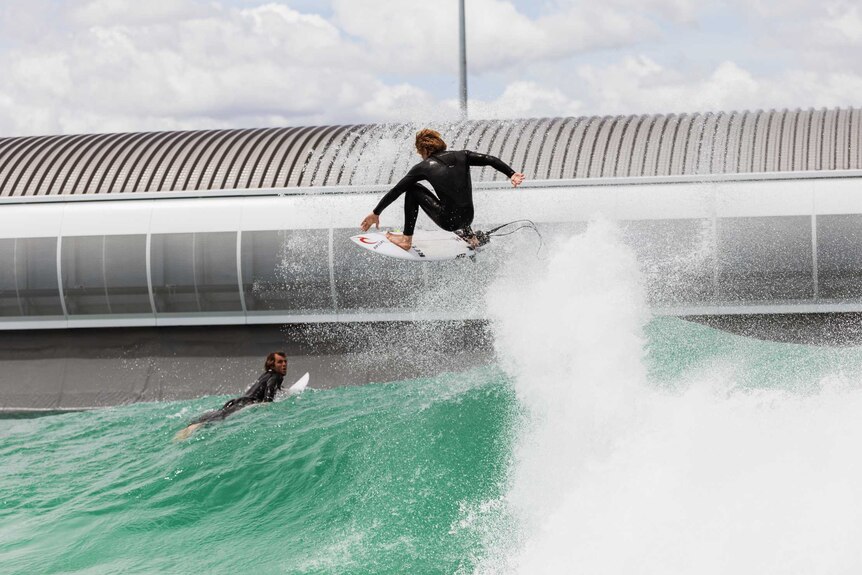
column 186, row 432
column 415, row 197
column 431, row 205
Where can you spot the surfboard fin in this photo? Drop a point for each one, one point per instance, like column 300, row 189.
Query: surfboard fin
column 467, row 234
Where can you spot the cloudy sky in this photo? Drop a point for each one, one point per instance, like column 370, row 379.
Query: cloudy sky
column 72, row 66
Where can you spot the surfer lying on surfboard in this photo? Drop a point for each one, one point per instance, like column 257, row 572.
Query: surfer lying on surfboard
column 263, row 390
column 448, row 172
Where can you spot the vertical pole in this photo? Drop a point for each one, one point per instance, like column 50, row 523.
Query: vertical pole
column 462, row 59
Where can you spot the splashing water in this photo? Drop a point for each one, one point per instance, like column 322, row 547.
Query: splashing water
column 614, row 472
column 605, row 442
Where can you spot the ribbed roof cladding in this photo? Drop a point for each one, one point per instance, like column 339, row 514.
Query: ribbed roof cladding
column 544, row 149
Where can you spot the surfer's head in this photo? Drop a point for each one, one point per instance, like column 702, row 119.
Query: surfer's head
column 428, row 142
column 277, row 362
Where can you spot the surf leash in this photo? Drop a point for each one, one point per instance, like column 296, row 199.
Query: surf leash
column 522, row 224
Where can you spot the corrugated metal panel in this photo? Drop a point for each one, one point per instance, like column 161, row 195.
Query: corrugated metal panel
column 510, row 144
column 339, row 172
column 599, row 148
column 788, row 140
column 256, row 144
column 302, row 171
column 638, row 153
column 655, row 136
column 486, row 136
column 147, row 164
column 760, row 136
column 831, row 135
column 678, row 145
column 353, row 162
column 127, row 162
column 20, row 157
column 855, row 136
column 815, row 146
column 701, row 143
column 615, row 144
column 66, row 161
column 584, row 150
column 498, row 142
column 800, row 142
column 526, row 147
column 392, row 169
column 273, row 157
column 227, row 154
column 549, row 148
column 772, row 151
column 545, row 152
column 745, row 148
column 327, row 158
column 842, row 140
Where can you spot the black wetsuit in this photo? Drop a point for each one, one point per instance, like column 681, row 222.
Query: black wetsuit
column 448, row 173
column 263, row 390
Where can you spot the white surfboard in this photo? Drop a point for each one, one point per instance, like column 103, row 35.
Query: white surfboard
column 294, row 389
column 299, row 386
column 428, row 246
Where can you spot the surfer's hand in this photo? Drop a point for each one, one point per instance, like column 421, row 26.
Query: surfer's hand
column 516, row 179
column 371, row 219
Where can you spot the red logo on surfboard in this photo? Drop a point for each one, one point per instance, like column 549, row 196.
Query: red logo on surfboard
column 365, row 240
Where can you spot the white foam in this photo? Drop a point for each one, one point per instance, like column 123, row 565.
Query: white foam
column 612, row 475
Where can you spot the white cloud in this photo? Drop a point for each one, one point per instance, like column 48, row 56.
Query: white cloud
column 117, row 65
column 407, row 103
column 523, row 99
column 639, row 85
column 122, row 12
column 205, row 69
column 424, row 38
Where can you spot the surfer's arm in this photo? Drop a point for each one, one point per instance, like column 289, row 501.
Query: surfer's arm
column 412, row 177
column 273, row 384
column 477, row 159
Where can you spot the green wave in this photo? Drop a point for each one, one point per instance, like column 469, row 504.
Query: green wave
column 370, row 479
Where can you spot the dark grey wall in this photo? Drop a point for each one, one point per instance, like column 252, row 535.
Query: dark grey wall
column 72, row 369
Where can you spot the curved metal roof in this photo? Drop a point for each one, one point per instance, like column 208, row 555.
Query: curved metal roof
column 544, row 149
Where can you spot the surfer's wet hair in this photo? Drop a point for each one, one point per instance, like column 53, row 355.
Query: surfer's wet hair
column 270, row 359
column 428, row 142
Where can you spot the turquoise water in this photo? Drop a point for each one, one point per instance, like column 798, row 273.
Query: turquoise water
column 370, row 479
column 385, row 478
column 603, row 441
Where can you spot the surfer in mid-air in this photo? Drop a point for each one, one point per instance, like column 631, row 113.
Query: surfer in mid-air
column 448, row 172
column 261, row 391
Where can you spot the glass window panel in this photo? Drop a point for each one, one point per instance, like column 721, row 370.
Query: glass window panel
column 286, row 270
column 839, row 256
column 126, row 274
column 215, row 269
column 172, row 258
column 765, row 259
column 84, row 276
column 364, row 280
column 36, row 272
column 677, row 258
column 195, row 272
column 9, row 306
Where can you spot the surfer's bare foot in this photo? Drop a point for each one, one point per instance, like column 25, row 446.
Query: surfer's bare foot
column 402, row 241
column 184, row 434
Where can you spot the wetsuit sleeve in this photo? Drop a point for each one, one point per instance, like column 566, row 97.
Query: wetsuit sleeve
column 413, row 177
column 273, row 384
column 476, row 159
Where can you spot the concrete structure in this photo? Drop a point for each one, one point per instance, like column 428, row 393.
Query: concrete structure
column 736, row 217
